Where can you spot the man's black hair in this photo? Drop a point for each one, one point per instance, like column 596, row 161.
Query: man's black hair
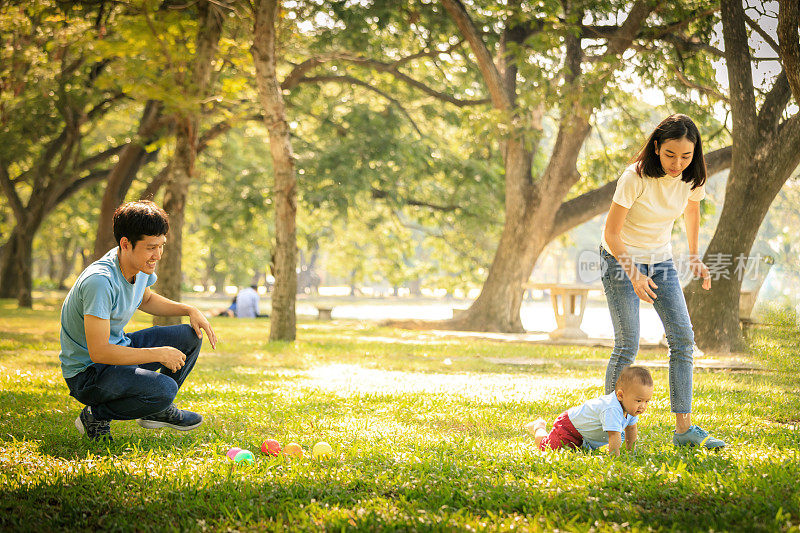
column 675, row 126
column 134, row 220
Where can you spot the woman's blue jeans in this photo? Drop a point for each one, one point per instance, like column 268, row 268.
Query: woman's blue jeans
column 126, row 392
column 623, row 303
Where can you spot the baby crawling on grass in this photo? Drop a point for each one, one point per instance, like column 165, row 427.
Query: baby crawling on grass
column 609, row 419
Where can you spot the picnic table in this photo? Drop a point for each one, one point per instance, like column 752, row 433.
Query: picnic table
column 569, row 305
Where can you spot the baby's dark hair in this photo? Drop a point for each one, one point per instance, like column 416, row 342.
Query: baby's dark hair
column 134, row 220
column 631, row 374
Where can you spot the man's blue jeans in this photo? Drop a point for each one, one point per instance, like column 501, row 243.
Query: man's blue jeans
column 126, row 392
column 623, row 303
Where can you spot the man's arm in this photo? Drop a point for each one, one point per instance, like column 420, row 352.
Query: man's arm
column 630, row 437
column 98, row 331
column 157, row 305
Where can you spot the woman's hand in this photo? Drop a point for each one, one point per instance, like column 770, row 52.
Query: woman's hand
column 700, row 270
column 643, row 287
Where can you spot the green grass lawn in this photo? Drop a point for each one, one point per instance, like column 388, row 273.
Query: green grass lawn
column 426, row 435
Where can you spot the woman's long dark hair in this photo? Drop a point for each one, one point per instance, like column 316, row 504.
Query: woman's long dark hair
column 673, row 127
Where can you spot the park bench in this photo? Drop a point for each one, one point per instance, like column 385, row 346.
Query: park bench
column 324, row 312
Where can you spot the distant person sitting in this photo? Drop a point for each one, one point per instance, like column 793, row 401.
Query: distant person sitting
column 224, row 311
column 247, row 303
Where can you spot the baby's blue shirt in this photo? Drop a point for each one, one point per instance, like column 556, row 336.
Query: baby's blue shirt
column 597, row 416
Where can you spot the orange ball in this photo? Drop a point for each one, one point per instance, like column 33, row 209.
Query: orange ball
column 293, row 450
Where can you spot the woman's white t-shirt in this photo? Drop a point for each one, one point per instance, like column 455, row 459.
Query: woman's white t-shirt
column 653, row 206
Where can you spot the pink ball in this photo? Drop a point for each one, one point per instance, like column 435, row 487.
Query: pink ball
column 232, row 452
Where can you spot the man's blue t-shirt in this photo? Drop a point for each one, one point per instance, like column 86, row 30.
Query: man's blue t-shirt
column 102, row 291
column 596, row 417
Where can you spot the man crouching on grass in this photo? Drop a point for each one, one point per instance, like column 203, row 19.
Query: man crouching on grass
column 116, row 375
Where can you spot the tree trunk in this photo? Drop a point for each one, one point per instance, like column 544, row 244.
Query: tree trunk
column 52, row 267
column 122, row 175
column 170, row 268
column 749, row 194
column 170, row 271
column 715, row 313
column 68, row 255
column 16, row 281
column 764, row 156
column 531, row 207
column 283, row 320
column 497, row 307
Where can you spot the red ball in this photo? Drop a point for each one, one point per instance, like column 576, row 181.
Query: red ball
column 271, row 447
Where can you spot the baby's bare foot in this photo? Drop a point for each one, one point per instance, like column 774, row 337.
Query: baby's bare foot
column 533, row 427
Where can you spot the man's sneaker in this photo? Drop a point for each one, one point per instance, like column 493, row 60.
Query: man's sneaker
column 95, row 429
column 172, row 417
column 695, row 436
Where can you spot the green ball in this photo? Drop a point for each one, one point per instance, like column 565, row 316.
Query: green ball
column 244, row 456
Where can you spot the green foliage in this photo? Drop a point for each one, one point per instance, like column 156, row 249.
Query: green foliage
column 43, row 65
column 230, row 223
column 388, row 162
column 419, row 444
column 153, row 47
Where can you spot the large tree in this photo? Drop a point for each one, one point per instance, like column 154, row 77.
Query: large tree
column 283, row 319
column 537, row 208
column 51, row 102
column 766, row 151
column 195, row 86
column 122, row 175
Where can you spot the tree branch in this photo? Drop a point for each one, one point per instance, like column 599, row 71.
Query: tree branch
column 298, row 75
column 692, row 44
column 93, row 177
column 101, row 107
column 774, row 103
column 203, row 142
column 11, row 193
column 156, row 183
column 622, row 38
column 98, row 158
column 702, row 88
column 379, row 194
column 737, row 55
column 764, row 35
column 355, row 81
column 428, row 53
column 604, row 31
column 491, row 75
column 215, row 131
column 789, row 49
column 299, row 71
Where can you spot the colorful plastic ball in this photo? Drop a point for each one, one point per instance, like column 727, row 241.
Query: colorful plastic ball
column 271, row 447
column 244, row 456
column 232, row 452
column 321, row 450
column 293, row 450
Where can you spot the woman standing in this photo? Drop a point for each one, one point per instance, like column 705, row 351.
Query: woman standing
column 666, row 180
